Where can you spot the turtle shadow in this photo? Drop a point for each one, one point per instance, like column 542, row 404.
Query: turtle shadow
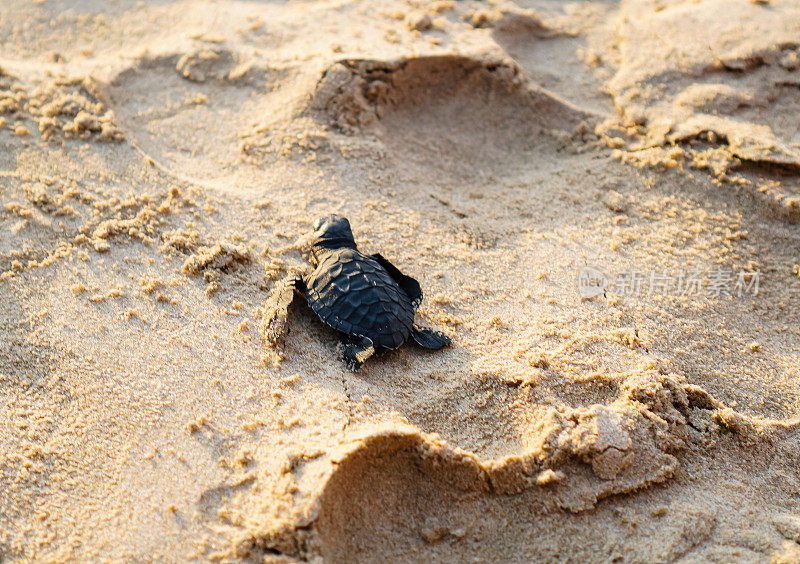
column 434, row 390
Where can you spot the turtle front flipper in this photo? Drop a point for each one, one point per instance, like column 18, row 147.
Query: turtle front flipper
column 276, row 309
column 354, row 350
column 429, row 338
column 410, row 286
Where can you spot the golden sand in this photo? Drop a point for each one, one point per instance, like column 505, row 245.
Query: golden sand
column 161, row 165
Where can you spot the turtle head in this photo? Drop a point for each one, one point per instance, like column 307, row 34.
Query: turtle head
column 331, row 232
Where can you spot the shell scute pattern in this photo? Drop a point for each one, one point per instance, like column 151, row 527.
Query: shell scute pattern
column 354, row 294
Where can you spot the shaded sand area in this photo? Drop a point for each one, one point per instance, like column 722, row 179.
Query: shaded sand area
column 161, row 162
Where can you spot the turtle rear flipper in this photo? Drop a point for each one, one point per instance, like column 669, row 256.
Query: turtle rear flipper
column 276, row 309
column 408, row 284
column 429, row 338
column 355, row 350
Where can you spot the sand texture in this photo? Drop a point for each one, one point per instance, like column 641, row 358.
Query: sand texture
column 161, row 166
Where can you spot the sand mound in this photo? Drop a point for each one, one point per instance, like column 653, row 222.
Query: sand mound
column 727, row 107
column 395, row 490
column 585, row 453
column 58, row 108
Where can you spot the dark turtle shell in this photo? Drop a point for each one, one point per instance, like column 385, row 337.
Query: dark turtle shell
column 354, row 294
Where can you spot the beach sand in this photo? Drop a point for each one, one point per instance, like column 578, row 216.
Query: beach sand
column 162, row 162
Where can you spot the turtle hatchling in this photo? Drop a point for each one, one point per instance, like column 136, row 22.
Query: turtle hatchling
column 363, row 297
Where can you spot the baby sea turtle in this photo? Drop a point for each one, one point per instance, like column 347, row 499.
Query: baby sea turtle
column 364, row 297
